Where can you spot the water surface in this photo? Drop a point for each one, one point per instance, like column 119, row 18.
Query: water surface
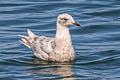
column 97, row 42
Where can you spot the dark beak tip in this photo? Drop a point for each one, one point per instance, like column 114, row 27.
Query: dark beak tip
column 76, row 23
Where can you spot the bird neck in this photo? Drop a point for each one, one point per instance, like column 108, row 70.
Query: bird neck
column 63, row 36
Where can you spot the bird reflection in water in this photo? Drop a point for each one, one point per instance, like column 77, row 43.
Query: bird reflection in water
column 49, row 70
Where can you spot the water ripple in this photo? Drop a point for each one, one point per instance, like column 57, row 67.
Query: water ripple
column 96, row 42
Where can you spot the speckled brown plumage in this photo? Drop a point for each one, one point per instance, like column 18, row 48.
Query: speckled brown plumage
column 58, row 49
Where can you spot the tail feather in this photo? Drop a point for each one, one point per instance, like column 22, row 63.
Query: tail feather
column 23, row 36
column 26, row 40
column 30, row 34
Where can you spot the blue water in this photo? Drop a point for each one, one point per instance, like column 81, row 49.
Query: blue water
column 97, row 42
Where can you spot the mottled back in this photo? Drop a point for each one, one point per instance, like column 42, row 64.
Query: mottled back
column 42, row 46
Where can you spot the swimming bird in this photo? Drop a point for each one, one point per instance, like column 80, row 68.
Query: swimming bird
column 58, row 49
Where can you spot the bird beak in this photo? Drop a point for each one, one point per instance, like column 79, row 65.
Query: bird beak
column 77, row 23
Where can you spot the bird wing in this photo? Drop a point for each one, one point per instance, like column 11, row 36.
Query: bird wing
column 42, row 46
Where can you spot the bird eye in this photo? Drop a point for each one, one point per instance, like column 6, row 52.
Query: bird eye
column 64, row 19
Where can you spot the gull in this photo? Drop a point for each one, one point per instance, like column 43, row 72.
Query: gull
column 58, row 49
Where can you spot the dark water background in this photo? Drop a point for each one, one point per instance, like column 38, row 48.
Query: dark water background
column 97, row 42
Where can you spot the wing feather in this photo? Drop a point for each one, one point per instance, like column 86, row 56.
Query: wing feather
column 42, row 46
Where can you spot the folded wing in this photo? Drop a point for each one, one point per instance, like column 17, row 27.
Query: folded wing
column 40, row 45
